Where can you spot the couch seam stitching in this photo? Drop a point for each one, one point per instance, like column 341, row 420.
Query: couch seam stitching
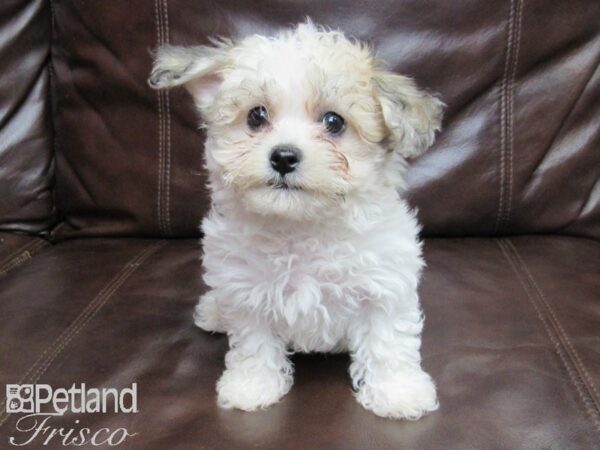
column 84, row 317
column 21, row 255
column 167, row 169
column 16, row 252
column 571, row 351
column 503, row 117
column 159, row 95
column 553, row 339
column 58, row 220
column 511, row 110
column 506, row 114
column 16, row 262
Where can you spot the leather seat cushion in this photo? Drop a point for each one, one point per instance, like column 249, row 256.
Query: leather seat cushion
column 510, row 338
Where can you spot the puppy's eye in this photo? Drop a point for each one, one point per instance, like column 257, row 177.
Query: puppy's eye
column 334, row 123
column 257, row 117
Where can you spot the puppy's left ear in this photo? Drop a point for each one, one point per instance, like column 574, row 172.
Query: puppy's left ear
column 411, row 115
column 198, row 68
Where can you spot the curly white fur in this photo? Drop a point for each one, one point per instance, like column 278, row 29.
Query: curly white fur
column 333, row 262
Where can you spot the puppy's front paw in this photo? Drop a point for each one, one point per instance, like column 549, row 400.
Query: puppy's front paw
column 404, row 395
column 249, row 391
column 206, row 314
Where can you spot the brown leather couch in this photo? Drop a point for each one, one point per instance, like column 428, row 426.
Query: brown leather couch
column 102, row 189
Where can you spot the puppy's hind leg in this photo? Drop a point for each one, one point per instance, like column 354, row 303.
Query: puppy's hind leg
column 206, row 314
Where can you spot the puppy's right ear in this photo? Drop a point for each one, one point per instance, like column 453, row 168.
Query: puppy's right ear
column 199, row 69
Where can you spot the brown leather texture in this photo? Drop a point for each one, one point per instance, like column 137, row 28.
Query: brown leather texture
column 16, row 249
column 26, row 156
column 511, row 339
column 518, row 153
column 509, row 197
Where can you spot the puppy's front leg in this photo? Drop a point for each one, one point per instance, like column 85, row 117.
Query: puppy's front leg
column 386, row 364
column 258, row 372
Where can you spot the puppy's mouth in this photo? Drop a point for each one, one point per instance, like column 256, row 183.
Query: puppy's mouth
column 283, row 185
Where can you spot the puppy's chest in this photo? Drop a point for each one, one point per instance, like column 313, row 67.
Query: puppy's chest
column 310, row 285
column 311, row 294
column 306, row 276
column 310, row 266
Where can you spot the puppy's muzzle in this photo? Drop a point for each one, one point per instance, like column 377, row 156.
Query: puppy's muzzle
column 285, row 159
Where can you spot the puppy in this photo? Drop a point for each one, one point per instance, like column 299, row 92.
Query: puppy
column 308, row 245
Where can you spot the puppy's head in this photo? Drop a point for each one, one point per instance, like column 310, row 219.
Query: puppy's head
column 299, row 123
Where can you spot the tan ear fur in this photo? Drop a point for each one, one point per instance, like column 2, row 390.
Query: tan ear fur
column 412, row 116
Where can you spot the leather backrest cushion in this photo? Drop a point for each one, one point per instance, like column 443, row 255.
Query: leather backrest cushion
column 519, row 152
column 26, row 160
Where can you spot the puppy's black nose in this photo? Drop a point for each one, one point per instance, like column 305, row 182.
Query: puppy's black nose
column 285, row 159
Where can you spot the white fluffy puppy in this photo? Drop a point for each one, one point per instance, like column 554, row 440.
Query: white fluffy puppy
column 308, row 245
